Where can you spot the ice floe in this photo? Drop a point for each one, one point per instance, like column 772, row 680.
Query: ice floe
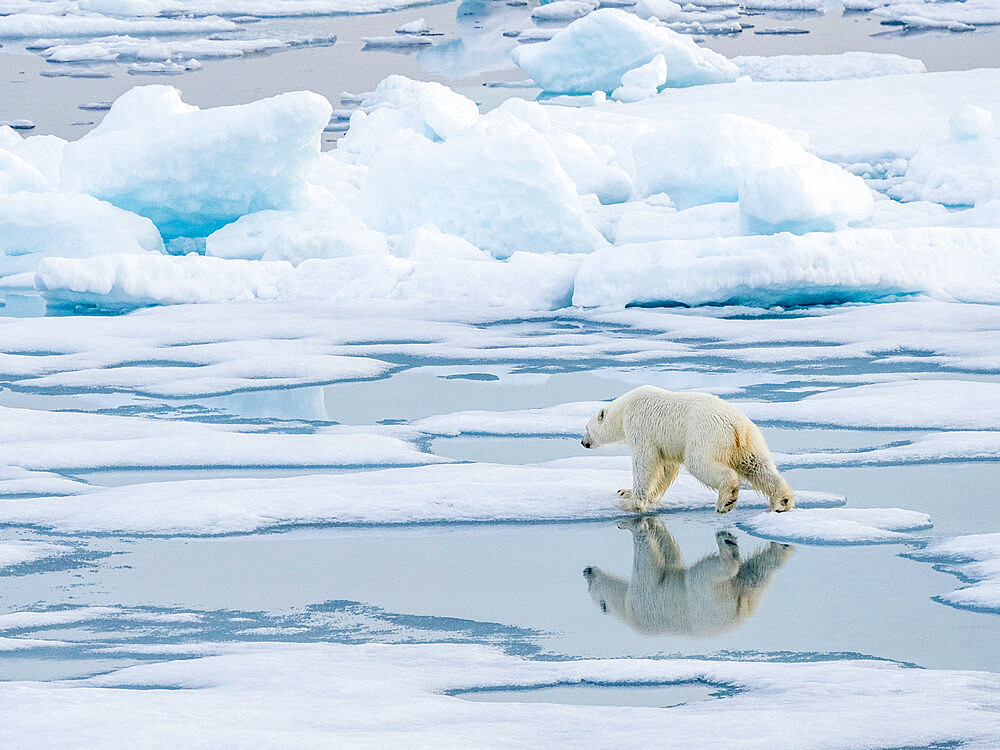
column 786, row 269
column 567, row 489
column 592, row 54
column 325, row 693
column 964, row 16
column 132, row 49
column 43, row 441
column 563, row 10
column 976, row 559
column 826, row 67
column 838, row 525
column 21, row 553
column 937, row 404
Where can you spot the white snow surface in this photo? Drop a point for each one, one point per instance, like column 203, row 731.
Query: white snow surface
column 962, row 170
column 64, row 441
column 905, row 404
column 857, row 264
column 974, row 557
column 20, row 553
column 838, row 525
column 323, row 694
column 122, row 48
column 826, row 67
column 567, row 489
column 527, row 281
column 564, row 10
column 517, row 198
column 801, row 198
column 592, row 54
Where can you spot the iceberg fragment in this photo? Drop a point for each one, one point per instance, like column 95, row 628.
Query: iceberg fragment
column 592, row 54
column 192, row 171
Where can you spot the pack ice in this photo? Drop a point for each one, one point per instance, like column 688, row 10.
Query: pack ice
column 691, row 196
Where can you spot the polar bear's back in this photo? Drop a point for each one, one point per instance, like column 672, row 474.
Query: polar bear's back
column 684, row 423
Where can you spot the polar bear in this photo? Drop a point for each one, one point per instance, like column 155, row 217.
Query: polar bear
column 714, row 595
column 716, row 442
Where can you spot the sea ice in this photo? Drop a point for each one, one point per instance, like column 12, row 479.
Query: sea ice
column 33, row 225
column 594, row 52
column 518, row 197
column 73, row 441
column 826, row 67
column 976, row 559
column 569, row 489
column 815, row 196
column 194, row 171
column 838, row 525
column 326, row 694
column 58, row 25
column 564, row 10
column 786, row 269
column 642, row 82
column 905, row 404
column 963, row 16
column 705, row 159
column 127, row 48
column 295, row 236
column 430, row 109
column 17, row 481
column 836, row 115
column 19, row 553
column 960, row 171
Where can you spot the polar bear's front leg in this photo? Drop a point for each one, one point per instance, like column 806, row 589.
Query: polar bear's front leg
column 645, row 465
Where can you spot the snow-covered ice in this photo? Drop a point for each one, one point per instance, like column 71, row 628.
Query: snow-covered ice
column 21, row 553
column 592, row 54
column 976, row 559
column 826, row 67
column 953, row 404
column 801, row 198
column 66, row 441
column 567, row 489
column 787, row 269
column 327, row 693
column 34, row 224
column 839, row 525
column 192, row 171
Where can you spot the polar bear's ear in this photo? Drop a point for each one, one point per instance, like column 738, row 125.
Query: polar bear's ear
column 600, row 416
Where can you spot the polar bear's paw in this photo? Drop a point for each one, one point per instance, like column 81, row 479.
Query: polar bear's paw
column 630, row 505
column 727, row 499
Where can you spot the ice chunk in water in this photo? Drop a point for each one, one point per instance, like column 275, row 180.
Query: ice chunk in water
column 642, row 82
column 594, row 52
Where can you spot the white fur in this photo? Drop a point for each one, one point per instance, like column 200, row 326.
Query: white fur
column 712, row 596
column 716, row 442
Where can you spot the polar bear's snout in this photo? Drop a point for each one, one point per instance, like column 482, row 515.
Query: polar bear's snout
column 587, row 442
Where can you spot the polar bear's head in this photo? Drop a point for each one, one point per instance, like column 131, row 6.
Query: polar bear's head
column 603, row 428
column 608, row 592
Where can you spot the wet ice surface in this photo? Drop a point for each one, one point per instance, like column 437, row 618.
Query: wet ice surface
column 519, row 586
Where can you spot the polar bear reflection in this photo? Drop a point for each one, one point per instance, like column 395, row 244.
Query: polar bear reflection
column 711, row 597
